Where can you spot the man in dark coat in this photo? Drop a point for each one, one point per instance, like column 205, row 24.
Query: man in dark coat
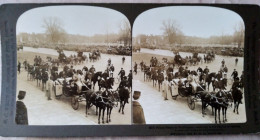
column 234, row 74
column 206, row 70
column 135, row 68
column 138, row 113
column 21, row 116
column 111, row 69
column 122, row 73
column 19, row 67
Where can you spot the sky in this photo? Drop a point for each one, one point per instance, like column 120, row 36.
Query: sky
column 200, row 21
column 82, row 20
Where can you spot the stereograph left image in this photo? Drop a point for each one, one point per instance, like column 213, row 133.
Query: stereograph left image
column 73, row 66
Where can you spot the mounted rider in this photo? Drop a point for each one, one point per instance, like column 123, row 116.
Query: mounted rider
column 206, row 70
column 234, row 74
column 122, row 73
column 111, row 70
column 92, row 69
column 123, row 85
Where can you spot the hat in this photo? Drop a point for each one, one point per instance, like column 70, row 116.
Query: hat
column 21, row 94
column 136, row 95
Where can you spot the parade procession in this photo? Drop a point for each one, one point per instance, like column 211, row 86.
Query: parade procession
column 75, row 78
column 189, row 71
column 176, row 71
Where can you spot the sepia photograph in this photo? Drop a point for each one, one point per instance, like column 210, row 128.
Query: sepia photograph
column 73, row 66
column 188, row 66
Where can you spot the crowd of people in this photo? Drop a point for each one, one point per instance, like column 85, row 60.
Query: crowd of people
column 167, row 77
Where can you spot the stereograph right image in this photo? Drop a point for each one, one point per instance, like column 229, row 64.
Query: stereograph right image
column 188, row 66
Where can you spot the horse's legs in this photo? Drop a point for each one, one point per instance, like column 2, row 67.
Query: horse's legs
column 223, row 113
column 202, row 108
column 120, row 106
column 96, row 110
column 219, row 114
column 237, row 107
column 110, row 114
column 86, row 108
column 215, row 115
column 103, row 114
column 107, row 113
column 99, row 112
column 234, row 106
column 123, row 107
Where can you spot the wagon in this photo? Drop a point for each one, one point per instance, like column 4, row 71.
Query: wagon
column 68, row 89
column 187, row 92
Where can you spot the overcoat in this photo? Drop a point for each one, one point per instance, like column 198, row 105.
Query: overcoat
column 138, row 113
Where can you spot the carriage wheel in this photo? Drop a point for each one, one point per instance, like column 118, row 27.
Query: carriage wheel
column 74, row 103
column 191, row 103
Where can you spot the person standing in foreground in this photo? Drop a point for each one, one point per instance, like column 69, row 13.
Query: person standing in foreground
column 21, row 116
column 138, row 113
column 165, row 88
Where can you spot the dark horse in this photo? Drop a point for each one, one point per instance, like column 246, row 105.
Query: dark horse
column 154, row 76
column 95, row 78
column 123, row 96
column 237, row 95
column 160, row 80
column 210, row 78
column 95, row 98
column 217, row 101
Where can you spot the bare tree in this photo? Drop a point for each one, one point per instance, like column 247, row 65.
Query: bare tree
column 239, row 34
column 125, row 32
column 54, row 30
column 172, row 32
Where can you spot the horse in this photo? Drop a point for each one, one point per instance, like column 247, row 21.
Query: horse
column 228, row 98
column 147, row 73
column 219, row 84
column 154, row 76
column 38, row 75
column 237, row 95
column 209, row 78
column 95, row 78
column 109, row 98
column 95, row 98
column 123, row 95
column 160, row 80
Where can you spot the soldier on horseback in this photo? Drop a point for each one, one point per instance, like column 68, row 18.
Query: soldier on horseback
column 111, row 70
column 123, row 84
column 234, row 74
column 206, row 70
column 122, row 73
column 92, row 69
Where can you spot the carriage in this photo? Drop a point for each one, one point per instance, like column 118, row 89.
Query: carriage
column 186, row 91
column 70, row 89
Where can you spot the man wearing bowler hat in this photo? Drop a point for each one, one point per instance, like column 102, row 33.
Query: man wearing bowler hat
column 21, row 110
column 138, row 113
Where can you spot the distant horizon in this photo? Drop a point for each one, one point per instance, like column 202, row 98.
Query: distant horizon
column 82, row 20
column 198, row 21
